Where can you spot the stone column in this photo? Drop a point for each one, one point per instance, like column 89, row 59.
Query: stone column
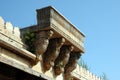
column 52, row 53
column 62, row 59
column 71, row 65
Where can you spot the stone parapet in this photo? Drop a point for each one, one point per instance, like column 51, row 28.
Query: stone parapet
column 10, row 39
column 7, row 31
column 83, row 74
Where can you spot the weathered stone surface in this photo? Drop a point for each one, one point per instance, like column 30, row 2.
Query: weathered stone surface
column 62, row 59
column 42, row 41
column 52, row 52
column 72, row 64
column 49, row 18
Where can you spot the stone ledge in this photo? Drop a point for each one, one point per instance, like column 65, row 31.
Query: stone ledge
column 10, row 44
column 23, row 68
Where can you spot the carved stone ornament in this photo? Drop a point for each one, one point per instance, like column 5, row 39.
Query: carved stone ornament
column 62, row 59
column 72, row 63
column 52, row 52
column 42, row 41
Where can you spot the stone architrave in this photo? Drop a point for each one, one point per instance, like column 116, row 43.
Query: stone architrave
column 52, row 52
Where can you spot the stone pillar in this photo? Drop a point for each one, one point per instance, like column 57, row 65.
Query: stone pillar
column 42, row 41
column 52, row 53
column 71, row 65
column 62, row 59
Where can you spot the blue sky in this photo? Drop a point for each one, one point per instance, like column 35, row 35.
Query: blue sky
column 99, row 20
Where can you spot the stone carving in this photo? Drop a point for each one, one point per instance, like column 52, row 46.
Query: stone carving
column 52, row 53
column 71, row 65
column 42, row 41
column 62, row 59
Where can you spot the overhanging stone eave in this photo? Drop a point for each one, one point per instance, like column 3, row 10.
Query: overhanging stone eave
column 77, row 46
column 50, row 18
column 58, row 33
column 58, row 13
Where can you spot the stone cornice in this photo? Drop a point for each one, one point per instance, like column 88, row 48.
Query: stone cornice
column 49, row 18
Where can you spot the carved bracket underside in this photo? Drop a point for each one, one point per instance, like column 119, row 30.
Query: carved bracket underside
column 62, row 59
column 71, row 65
column 42, row 41
column 52, row 53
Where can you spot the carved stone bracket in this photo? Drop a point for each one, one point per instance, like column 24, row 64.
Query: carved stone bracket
column 71, row 65
column 42, row 41
column 62, row 59
column 52, row 52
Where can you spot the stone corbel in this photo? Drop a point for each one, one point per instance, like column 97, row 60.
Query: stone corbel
column 71, row 65
column 62, row 59
column 42, row 41
column 52, row 53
